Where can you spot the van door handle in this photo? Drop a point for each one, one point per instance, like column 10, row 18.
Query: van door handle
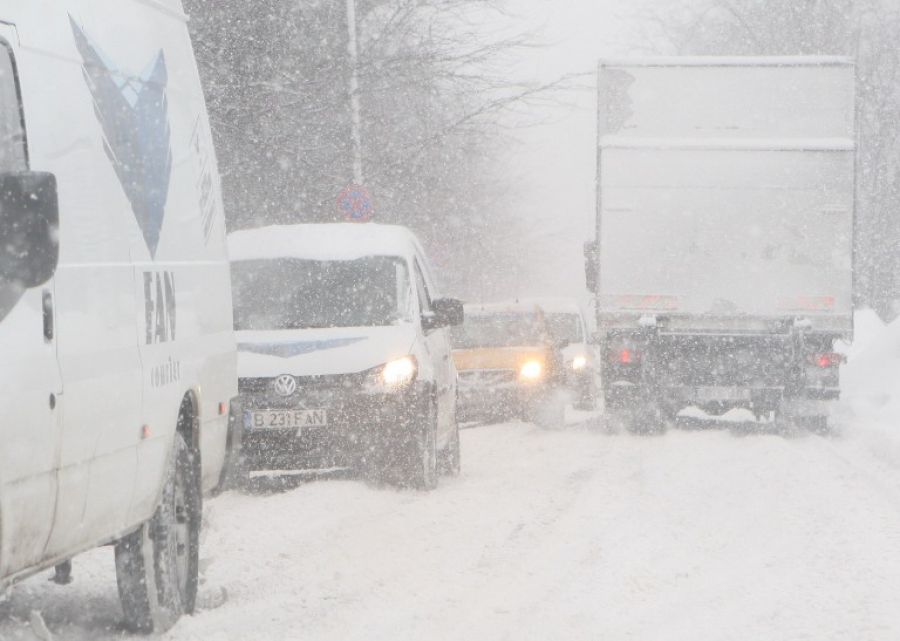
column 48, row 316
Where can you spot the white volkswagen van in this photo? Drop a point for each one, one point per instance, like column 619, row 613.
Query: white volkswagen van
column 119, row 358
column 343, row 355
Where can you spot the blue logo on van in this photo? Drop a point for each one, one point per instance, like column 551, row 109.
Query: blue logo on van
column 133, row 112
column 296, row 348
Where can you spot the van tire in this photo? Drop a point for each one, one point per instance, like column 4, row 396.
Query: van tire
column 421, row 453
column 451, row 457
column 586, row 400
column 157, row 567
column 548, row 411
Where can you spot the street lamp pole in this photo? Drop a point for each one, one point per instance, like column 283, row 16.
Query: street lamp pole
column 355, row 118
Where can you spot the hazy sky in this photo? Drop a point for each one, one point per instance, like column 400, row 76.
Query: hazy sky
column 554, row 163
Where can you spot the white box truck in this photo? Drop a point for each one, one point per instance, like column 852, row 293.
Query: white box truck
column 119, row 358
column 723, row 264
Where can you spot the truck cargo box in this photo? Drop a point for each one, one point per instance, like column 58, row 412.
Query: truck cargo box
column 726, row 192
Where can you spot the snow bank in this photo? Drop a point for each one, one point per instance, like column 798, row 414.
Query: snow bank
column 870, row 408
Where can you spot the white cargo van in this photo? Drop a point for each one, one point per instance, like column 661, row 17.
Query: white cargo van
column 343, row 355
column 119, row 358
column 568, row 327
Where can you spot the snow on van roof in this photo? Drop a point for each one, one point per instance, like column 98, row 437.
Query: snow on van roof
column 337, row 241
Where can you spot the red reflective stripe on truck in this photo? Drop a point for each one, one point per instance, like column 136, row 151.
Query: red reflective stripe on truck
column 809, row 304
column 644, row 302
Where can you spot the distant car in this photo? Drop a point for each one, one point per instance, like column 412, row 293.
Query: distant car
column 509, row 364
column 566, row 324
column 343, row 356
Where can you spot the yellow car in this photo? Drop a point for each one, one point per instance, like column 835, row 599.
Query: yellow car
column 508, row 364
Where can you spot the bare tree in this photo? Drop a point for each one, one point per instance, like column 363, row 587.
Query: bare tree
column 431, row 82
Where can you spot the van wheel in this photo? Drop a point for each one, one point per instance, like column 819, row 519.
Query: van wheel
column 548, row 412
column 587, row 398
column 157, row 567
column 451, row 456
column 421, row 453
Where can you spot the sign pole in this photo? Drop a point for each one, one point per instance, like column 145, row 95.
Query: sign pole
column 355, row 118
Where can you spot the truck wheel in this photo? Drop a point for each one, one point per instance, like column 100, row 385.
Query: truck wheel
column 814, row 424
column 451, row 456
column 646, row 420
column 617, row 419
column 157, row 567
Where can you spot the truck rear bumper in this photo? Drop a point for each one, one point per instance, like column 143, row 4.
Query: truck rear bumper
column 758, row 399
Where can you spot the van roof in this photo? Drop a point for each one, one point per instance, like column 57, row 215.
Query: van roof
column 336, row 241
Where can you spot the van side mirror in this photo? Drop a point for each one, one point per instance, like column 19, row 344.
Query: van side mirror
column 448, row 312
column 29, row 226
column 592, row 266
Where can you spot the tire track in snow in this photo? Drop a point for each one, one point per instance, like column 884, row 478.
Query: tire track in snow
column 569, row 534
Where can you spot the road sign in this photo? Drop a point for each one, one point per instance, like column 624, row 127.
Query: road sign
column 355, row 204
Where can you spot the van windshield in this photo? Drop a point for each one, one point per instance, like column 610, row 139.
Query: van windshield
column 498, row 330
column 291, row 293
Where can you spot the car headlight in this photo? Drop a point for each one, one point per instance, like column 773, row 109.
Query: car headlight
column 579, row 363
column 399, row 373
column 531, row 371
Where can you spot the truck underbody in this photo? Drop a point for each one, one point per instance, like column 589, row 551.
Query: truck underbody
column 789, row 374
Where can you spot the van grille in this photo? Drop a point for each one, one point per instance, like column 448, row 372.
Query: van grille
column 487, row 377
column 350, row 382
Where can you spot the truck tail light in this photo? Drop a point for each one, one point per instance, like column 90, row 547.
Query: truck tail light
column 828, row 360
column 627, row 356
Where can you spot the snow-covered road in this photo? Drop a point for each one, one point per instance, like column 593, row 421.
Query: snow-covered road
column 572, row 534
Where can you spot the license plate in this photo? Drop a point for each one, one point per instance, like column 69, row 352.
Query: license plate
column 724, row 394
column 286, row 419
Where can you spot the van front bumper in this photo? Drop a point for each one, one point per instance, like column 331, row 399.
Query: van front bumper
column 357, row 422
column 485, row 394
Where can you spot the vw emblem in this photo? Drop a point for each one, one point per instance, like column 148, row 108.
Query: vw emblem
column 285, row 385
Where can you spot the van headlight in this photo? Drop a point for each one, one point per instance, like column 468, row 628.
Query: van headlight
column 393, row 376
column 531, row 371
column 579, row 362
column 399, row 373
